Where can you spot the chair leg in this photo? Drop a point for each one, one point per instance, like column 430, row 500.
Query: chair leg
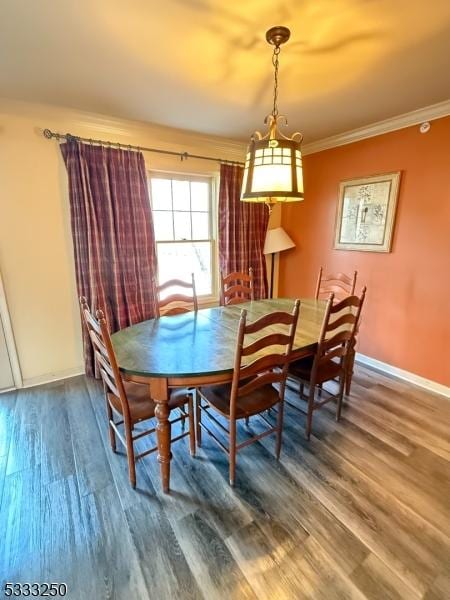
column 130, row 455
column 232, row 447
column 112, row 433
column 349, row 373
column 279, row 429
column 247, row 421
column 342, row 383
column 198, row 419
column 302, row 389
column 348, row 383
column 191, row 425
column 310, row 410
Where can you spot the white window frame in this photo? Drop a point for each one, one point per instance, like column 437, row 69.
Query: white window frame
column 212, row 180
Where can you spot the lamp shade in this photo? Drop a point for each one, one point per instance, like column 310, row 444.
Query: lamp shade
column 277, row 240
column 273, row 166
column 273, row 171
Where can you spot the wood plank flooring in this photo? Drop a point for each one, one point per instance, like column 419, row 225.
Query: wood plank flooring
column 360, row 511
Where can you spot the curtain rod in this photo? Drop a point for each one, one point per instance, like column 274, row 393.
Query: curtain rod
column 183, row 155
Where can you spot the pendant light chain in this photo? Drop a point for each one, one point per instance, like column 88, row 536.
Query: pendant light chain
column 275, row 62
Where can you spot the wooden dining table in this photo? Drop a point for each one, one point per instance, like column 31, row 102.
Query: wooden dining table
column 197, row 348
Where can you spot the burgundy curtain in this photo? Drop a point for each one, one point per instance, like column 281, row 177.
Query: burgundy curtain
column 113, row 237
column 242, row 230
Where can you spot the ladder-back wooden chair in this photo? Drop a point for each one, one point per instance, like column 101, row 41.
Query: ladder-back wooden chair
column 236, row 287
column 339, row 284
column 251, row 391
column 338, row 330
column 129, row 403
column 342, row 286
column 176, row 303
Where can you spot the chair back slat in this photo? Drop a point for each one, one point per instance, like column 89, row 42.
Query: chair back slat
column 92, row 322
column 238, row 276
column 338, row 290
column 348, row 302
column 236, row 287
column 102, row 357
column 273, row 318
column 174, row 298
column 176, row 303
column 273, row 339
column 269, row 368
column 338, row 278
column 106, row 373
column 175, row 283
column 336, row 340
column 346, row 319
column 99, row 346
column 340, row 284
column 263, row 364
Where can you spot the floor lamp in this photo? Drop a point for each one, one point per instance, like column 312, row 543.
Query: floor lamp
column 277, row 240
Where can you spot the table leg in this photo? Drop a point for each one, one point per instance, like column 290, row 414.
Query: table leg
column 160, row 394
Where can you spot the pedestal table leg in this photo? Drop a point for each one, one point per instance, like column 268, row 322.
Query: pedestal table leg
column 160, row 394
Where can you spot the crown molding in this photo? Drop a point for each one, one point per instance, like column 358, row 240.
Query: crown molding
column 234, row 149
column 429, row 113
column 86, row 124
column 164, row 135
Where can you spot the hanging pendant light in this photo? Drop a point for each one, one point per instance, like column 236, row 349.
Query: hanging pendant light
column 273, row 167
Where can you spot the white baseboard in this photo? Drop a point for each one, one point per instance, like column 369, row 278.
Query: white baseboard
column 428, row 113
column 49, row 377
column 427, row 384
column 4, row 390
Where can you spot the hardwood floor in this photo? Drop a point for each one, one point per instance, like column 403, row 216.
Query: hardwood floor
column 360, row 511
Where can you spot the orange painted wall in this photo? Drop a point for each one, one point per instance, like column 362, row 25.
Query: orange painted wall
column 406, row 320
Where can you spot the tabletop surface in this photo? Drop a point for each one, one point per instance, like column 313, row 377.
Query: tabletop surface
column 204, row 343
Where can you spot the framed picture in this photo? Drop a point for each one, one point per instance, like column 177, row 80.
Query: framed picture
column 366, row 213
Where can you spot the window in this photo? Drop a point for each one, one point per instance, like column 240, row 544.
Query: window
column 182, row 216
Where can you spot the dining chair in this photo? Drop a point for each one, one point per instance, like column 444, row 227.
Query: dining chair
column 340, row 284
column 257, row 366
column 129, row 403
column 175, row 302
column 236, row 287
column 339, row 326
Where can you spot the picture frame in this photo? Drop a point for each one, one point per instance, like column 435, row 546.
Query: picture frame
column 366, row 213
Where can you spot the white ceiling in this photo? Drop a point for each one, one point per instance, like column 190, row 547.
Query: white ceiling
column 204, row 65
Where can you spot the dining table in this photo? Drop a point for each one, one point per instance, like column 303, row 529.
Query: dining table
column 198, row 348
